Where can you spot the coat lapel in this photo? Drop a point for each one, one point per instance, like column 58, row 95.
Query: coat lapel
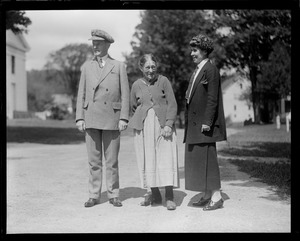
column 198, row 78
column 95, row 71
column 106, row 70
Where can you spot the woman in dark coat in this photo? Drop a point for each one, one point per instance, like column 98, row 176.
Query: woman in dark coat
column 205, row 125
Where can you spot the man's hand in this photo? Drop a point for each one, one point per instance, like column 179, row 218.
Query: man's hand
column 167, row 131
column 80, row 125
column 122, row 125
column 205, row 128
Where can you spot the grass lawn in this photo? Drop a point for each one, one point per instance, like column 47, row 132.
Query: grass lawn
column 45, row 132
column 263, row 141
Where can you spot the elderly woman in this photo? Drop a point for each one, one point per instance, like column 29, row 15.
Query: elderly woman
column 205, row 125
column 154, row 113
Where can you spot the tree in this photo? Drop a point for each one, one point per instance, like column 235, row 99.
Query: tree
column 278, row 70
column 166, row 34
column 65, row 65
column 39, row 93
column 249, row 41
column 17, row 21
column 40, row 89
column 244, row 40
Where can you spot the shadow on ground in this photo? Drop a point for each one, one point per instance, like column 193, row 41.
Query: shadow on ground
column 136, row 192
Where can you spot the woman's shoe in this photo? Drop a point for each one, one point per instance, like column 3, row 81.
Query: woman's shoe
column 147, row 201
column 202, row 202
column 213, row 205
column 171, row 205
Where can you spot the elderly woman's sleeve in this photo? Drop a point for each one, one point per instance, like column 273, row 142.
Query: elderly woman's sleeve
column 172, row 104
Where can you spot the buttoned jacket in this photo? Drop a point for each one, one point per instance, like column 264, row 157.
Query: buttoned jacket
column 205, row 107
column 103, row 96
column 158, row 95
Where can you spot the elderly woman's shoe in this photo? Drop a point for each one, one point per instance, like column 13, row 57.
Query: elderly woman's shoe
column 213, row 205
column 171, row 205
column 147, row 201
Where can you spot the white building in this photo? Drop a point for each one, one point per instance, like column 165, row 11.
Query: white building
column 16, row 80
column 236, row 107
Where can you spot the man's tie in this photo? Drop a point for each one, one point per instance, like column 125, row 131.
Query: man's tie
column 189, row 89
column 100, row 63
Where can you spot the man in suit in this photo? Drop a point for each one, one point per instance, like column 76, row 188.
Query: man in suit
column 205, row 125
column 102, row 111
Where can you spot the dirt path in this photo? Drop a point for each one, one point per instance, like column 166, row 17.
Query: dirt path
column 47, row 187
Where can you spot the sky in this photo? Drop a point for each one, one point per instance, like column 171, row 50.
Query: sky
column 51, row 30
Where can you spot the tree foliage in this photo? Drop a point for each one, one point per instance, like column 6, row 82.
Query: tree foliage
column 65, row 65
column 166, row 34
column 275, row 74
column 244, row 39
column 17, row 21
column 249, row 45
column 40, row 89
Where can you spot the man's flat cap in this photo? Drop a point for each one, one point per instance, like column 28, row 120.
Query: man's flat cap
column 98, row 34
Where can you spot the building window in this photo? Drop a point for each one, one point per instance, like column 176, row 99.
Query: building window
column 234, row 107
column 241, row 86
column 13, row 62
column 249, row 107
column 14, row 96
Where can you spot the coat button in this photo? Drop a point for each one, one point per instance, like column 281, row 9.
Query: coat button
column 104, row 103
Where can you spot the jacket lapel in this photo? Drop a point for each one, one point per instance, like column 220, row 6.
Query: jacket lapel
column 198, row 78
column 106, row 70
column 95, row 70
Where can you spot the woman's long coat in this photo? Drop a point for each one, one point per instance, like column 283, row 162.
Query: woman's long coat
column 205, row 107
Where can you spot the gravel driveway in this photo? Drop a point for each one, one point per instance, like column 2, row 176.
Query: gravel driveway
column 47, row 187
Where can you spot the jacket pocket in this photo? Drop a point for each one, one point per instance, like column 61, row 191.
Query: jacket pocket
column 114, row 73
column 116, row 105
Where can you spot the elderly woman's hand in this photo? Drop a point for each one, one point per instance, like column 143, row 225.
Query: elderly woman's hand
column 167, row 131
column 122, row 125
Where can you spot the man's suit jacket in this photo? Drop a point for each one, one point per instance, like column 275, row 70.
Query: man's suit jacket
column 103, row 97
column 205, row 107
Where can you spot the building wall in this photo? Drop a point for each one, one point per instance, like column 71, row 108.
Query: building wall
column 235, row 109
column 16, row 83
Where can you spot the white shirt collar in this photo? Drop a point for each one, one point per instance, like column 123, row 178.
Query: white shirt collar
column 104, row 58
column 203, row 62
